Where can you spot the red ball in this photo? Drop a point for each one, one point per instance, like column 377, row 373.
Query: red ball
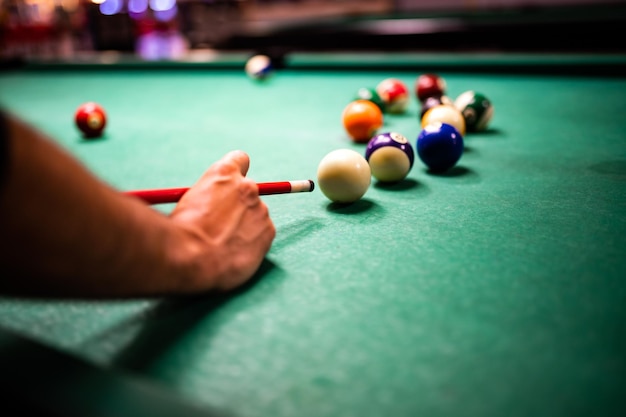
column 394, row 94
column 429, row 85
column 91, row 119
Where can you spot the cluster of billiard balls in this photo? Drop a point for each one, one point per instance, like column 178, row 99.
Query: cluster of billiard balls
column 444, row 122
column 344, row 175
column 364, row 115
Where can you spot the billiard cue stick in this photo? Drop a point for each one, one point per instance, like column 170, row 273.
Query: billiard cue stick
column 172, row 195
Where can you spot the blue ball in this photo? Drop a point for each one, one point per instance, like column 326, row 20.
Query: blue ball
column 439, row 146
column 390, row 156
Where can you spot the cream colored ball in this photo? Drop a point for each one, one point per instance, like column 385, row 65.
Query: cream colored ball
column 445, row 113
column 259, row 67
column 344, row 176
column 389, row 164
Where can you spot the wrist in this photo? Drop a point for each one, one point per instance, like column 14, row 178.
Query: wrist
column 189, row 254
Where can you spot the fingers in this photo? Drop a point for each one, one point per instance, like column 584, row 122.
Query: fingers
column 225, row 210
column 249, row 192
column 232, row 165
column 240, row 159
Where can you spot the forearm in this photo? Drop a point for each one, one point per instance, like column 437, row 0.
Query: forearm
column 66, row 232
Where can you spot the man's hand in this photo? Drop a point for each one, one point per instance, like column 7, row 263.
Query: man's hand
column 229, row 225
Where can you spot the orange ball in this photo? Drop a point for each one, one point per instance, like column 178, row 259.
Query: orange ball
column 362, row 119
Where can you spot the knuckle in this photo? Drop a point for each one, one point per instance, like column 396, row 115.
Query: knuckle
column 249, row 190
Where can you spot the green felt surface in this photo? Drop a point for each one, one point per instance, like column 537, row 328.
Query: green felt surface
column 496, row 290
column 37, row 380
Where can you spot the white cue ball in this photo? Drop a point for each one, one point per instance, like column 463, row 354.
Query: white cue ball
column 344, row 176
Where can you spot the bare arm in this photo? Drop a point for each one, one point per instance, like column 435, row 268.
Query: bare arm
column 64, row 232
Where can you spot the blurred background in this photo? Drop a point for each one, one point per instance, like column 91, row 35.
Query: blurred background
column 192, row 29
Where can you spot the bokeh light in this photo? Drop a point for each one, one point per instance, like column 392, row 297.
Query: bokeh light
column 166, row 15
column 111, row 7
column 137, row 6
column 162, row 5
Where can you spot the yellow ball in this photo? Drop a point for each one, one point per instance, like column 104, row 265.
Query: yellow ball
column 343, row 176
column 445, row 113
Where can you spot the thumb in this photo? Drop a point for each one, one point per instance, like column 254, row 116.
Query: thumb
column 240, row 159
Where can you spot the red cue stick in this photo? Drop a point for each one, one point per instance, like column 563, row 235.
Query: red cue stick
column 172, row 195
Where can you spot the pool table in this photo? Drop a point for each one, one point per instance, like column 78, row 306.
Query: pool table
column 495, row 289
